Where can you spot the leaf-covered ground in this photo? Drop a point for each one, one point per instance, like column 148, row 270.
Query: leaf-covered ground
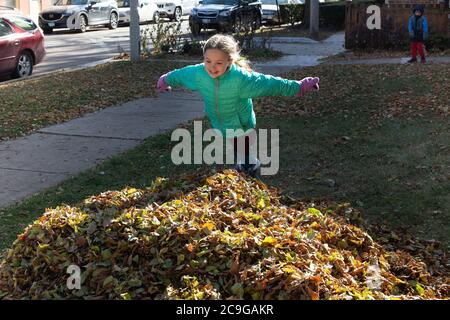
column 220, row 236
column 380, row 90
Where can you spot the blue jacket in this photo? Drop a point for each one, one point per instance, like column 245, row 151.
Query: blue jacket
column 228, row 102
column 418, row 26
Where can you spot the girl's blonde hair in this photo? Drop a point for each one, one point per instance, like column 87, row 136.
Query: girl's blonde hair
column 229, row 46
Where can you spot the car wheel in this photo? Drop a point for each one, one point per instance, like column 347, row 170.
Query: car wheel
column 47, row 30
column 195, row 29
column 257, row 23
column 156, row 17
column 177, row 14
column 24, row 65
column 237, row 26
column 83, row 24
column 113, row 21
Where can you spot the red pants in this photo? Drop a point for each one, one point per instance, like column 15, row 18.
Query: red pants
column 416, row 45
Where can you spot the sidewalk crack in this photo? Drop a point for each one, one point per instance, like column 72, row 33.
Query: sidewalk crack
column 30, row 170
column 86, row 136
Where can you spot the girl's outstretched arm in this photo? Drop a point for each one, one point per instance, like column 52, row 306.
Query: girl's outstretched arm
column 254, row 84
column 184, row 77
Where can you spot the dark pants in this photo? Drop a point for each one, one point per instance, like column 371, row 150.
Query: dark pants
column 417, row 45
column 246, row 149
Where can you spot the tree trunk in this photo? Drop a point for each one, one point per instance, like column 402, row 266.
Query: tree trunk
column 135, row 46
column 314, row 21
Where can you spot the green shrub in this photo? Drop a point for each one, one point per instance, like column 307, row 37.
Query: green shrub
column 292, row 13
column 193, row 48
column 437, row 42
column 164, row 36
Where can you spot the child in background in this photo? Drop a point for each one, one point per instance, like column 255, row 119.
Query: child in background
column 418, row 33
column 227, row 84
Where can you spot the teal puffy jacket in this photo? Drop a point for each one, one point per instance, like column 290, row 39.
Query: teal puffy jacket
column 227, row 98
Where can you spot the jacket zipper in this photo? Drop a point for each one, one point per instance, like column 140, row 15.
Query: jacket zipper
column 217, row 100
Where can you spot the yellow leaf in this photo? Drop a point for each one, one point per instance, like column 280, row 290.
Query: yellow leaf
column 269, row 241
column 315, row 212
column 209, row 225
column 131, row 190
column 288, row 269
column 261, row 204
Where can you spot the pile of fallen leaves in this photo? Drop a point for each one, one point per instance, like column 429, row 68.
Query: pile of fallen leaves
column 221, row 236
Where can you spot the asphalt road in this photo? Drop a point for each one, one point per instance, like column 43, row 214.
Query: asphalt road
column 68, row 49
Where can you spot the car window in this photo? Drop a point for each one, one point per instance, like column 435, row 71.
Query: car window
column 274, row 1
column 123, row 3
column 226, row 2
column 22, row 22
column 5, row 28
column 70, row 2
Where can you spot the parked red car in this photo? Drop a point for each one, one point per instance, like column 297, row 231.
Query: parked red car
column 21, row 43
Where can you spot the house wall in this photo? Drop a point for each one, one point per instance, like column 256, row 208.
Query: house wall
column 29, row 7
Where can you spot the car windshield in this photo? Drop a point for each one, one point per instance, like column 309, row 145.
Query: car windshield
column 226, row 2
column 70, row 2
column 123, row 3
column 274, row 1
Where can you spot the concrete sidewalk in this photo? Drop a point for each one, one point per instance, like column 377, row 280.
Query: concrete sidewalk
column 401, row 60
column 41, row 160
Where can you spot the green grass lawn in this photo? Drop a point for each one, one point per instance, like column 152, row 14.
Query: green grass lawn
column 375, row 136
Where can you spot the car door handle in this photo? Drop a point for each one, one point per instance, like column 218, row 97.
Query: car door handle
column 16, row 42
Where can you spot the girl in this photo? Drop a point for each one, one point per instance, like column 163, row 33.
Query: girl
column 227, row 84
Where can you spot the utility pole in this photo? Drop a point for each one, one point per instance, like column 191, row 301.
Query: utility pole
column 135, row 45
column 314, row 20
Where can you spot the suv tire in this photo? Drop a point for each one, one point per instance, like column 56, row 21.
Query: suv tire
column 195, row 29
column 83, row 24
column 113, row 21
column 156, row 17
column 177, row 14
column 237, row 25
column 256, row 24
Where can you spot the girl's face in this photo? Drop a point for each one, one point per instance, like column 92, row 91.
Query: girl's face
column 216, row 62
column 417, row 13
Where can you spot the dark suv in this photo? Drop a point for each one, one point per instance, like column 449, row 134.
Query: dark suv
column 225, row 15
column 79, row 14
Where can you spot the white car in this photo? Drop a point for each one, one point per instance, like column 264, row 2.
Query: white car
column 175, row 9
column 147, row 9
column 269, row 9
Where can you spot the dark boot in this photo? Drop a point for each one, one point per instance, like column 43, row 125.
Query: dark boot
column 412, row 60
column 253, row 170
column 423, row 60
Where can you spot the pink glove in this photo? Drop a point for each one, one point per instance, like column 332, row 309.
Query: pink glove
column 308, row 84
column 162, row 86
